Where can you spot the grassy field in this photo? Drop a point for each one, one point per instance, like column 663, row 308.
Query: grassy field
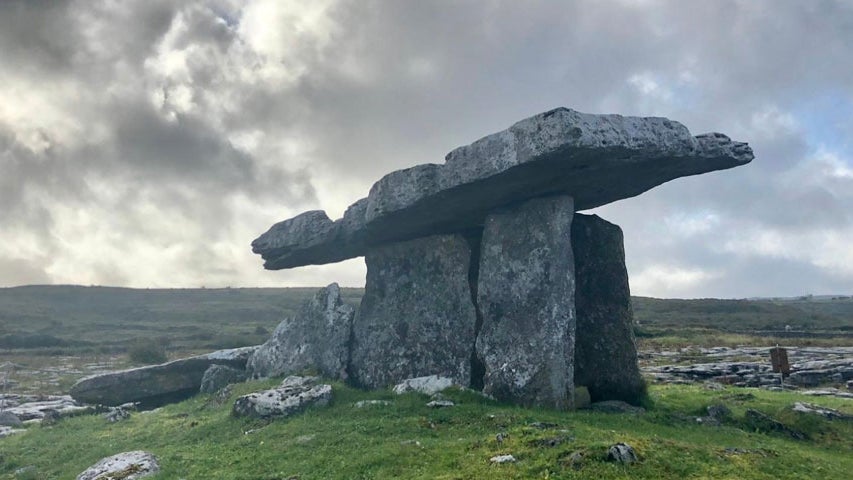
column 196, row 439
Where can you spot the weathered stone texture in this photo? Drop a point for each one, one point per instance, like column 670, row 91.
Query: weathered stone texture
column 315, row 339
column 526, row 298
column 416, row 317
column 294, row 395
column 596, row 159
column 605, row 353
column 155, row 385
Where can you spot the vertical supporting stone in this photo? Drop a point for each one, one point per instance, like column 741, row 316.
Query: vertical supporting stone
column 605, row 353
column 526, row 299
column 416, row 317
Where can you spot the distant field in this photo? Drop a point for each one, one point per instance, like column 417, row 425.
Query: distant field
column 61, row 319
column 57, row 320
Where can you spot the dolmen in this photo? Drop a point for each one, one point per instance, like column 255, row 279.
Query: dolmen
column 481, row 269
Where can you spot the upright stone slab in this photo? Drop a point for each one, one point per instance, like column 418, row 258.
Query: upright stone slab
column 315, row 339
column 526, row 299
column 605, row 353
column 417, row 316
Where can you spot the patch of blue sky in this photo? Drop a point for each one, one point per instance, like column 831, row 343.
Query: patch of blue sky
column 827, row 120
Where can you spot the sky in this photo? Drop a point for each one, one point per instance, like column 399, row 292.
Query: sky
column 146, row 144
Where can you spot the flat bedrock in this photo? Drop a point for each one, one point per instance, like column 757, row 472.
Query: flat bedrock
column 596, row 159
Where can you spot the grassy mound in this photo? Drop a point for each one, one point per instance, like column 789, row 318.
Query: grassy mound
column 406, row 439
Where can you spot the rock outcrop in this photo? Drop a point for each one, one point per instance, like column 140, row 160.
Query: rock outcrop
column 217, row 377
column 316, row 338
column 470, row 267
column 155, row 385
column 294, row 395
column 525, row 292
column 605, row 353
column 416, row 317
column 125, row 466
column 597, row 159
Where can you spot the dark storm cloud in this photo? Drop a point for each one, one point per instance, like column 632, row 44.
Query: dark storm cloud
column 201, row 110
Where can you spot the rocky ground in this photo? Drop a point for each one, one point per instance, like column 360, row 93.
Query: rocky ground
column 816, row 370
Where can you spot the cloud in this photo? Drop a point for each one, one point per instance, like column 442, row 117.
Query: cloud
column 148, row 143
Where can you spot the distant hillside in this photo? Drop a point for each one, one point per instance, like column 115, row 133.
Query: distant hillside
column 105, row 318
column 183, row 318
column 805, row 313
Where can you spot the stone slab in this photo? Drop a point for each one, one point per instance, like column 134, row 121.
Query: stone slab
column 525, row 293
column 596, row 159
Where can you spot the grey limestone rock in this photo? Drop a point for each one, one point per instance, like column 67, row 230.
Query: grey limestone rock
column 622, row 453
column 9, row 419
column 293, row 396
column 596, row 159
column 157, row 384
column 605, row 352
column 126, row 466
column 417, row 317
column 525, row 293
column 217, row 377
column 315, row 338
column 429, row 385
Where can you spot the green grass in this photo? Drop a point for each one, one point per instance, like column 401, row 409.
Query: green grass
column 408, row 440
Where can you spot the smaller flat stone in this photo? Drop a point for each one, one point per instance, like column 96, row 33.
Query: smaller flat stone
column 125, row 466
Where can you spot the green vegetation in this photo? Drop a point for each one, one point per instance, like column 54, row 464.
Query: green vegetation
column 197, row 439
column 147, row 352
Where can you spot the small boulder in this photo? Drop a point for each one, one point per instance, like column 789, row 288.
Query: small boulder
column 503, row 459
column 440, row 404
column 216, row 377
column 116, row 414
column 827, row 413
column 622, row 453
column 9, row 419
column 125, row 466
column 429, row 385
column 293, row 396
column 372, row 403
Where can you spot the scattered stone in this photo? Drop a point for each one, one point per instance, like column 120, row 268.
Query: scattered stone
column 293, row 396
column 525, row 293
column 372, row 403
column 616, row 406
column 415, row 443
column 828, row 392
column 116, row 414
column 825, row 412
column 440, row 404
column 24, row 471
column 850, row 385
column 597, row 159
column 503, row 459
column 8, row 431
column 621, row 453
column 717, row 414
column 50, row 417
column 762, row 421
column 416, row 316
column 429, row 385
column 315, row 338
column 216, row 377
column 605, row 351
column 500, row 437
column 33, row 407
column 125, row 466
column 9, row 419
column 155, row 385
